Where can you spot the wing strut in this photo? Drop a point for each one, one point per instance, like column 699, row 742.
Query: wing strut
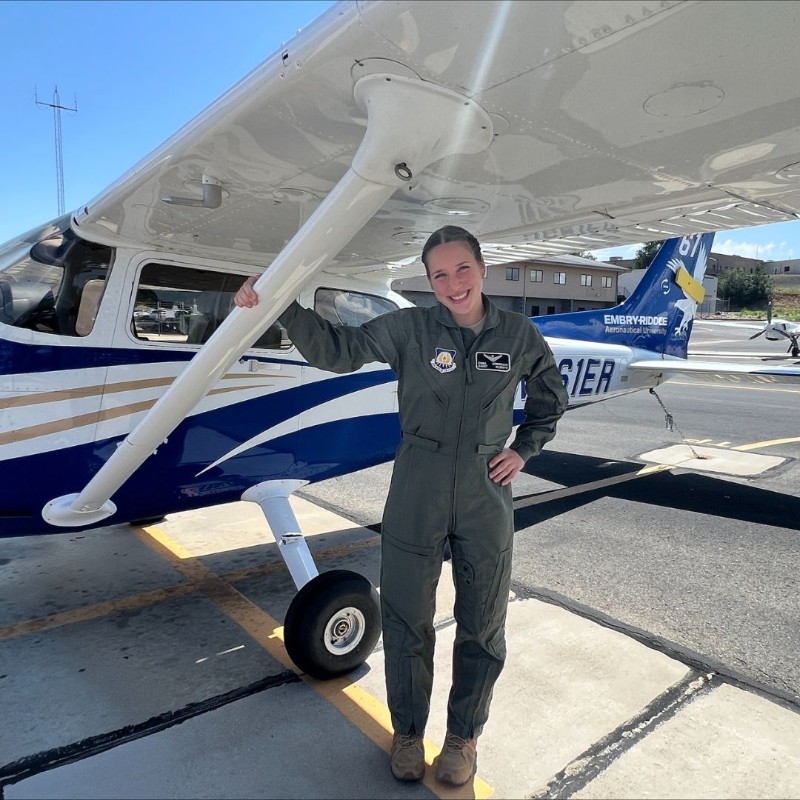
column 410, row 124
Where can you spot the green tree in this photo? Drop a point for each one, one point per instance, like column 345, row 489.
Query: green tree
column 585, row 254
column 745, row 289
column 646, row 253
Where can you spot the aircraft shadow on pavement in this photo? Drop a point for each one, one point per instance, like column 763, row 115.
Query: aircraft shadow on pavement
column 689, row 491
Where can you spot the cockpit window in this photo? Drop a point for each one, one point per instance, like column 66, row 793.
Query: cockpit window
column 350, row 308
column 54, row 285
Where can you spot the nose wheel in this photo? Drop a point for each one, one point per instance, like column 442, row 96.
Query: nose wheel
column 332, row 624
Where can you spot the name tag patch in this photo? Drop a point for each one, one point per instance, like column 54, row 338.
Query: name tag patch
column 494, row 362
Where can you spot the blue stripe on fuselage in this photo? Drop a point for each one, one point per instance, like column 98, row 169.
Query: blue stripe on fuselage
column 17, row 357
column 168, row 481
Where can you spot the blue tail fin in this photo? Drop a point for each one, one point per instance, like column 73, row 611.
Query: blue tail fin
column 658, row 315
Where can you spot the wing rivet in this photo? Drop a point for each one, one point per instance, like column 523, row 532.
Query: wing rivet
column 402, row 171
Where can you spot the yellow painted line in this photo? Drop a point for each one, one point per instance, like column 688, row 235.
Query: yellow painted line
column 557, row 494
column 354, row 703
column 95, row 611
column 177, row 550
column 254, row 620
column 768, row 443
column 372, row 717
column 689, row 285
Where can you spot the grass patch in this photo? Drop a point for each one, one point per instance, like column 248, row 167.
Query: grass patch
column 790, row 313
column 785, row 305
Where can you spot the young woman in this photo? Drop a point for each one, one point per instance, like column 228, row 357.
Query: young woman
column 458, row 365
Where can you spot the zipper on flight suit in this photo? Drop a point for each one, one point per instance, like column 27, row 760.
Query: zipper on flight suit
column 469, row 378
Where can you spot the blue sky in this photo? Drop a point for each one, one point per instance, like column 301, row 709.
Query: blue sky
column 777, row 242
column 138, row 71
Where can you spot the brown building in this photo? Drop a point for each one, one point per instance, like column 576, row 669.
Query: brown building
column 718, row 263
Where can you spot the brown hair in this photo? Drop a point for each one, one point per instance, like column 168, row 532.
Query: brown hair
column 451, row 233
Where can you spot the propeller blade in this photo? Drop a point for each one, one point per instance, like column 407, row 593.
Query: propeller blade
column 756, row 335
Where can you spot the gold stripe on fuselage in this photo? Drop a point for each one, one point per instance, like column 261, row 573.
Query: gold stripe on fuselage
column 96, row 417
column 80, row 392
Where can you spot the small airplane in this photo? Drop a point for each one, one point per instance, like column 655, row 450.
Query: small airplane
column 127, row 374
column 777, row 330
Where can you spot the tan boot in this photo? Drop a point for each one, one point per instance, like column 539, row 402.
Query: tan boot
column 456, row 763
column 407, row 757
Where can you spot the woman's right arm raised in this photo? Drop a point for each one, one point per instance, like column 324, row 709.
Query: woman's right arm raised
column 336, row 348
column 247, row 297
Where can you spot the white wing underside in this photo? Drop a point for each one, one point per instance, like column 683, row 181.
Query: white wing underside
column 572, row 126
column 720, row 372
column 613, row 123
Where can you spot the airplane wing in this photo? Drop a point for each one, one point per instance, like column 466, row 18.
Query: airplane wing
column 611, row 123
column 717, row 372
column 732, row 324
column 562, row 126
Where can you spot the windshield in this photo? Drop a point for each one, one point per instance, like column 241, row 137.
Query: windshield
column 55, row 284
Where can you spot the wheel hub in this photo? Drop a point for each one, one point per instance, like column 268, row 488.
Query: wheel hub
column 344, row 631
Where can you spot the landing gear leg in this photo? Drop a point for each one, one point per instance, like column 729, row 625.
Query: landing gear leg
column 334, row 620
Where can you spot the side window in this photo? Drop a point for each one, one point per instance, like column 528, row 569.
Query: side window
column 185, row 305
column 54, row 286
column 342, row 307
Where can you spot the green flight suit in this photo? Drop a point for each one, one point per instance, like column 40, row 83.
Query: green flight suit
column 456, row 407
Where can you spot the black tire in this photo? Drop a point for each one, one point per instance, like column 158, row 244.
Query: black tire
column 332, row 624
column 795, row 351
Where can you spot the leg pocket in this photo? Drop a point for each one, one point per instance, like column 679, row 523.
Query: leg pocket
column 494, row 610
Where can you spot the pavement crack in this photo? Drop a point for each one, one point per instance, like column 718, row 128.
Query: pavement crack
column 28, row 766
column 597, row 758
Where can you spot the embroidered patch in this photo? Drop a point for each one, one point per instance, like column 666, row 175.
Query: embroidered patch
column 445, row 360
column 495, row 362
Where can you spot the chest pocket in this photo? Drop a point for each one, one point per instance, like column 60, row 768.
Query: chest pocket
column 497, row 408
column 424, row 394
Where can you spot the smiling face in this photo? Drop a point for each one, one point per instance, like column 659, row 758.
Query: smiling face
column 456, row 278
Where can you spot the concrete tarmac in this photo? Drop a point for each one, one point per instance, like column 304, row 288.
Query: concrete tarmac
column 177, row 685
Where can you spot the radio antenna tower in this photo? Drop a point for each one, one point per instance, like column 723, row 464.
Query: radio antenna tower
column 57, row 109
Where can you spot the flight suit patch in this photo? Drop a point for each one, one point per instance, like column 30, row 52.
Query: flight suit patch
column 444, row 360
column 494, row 362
